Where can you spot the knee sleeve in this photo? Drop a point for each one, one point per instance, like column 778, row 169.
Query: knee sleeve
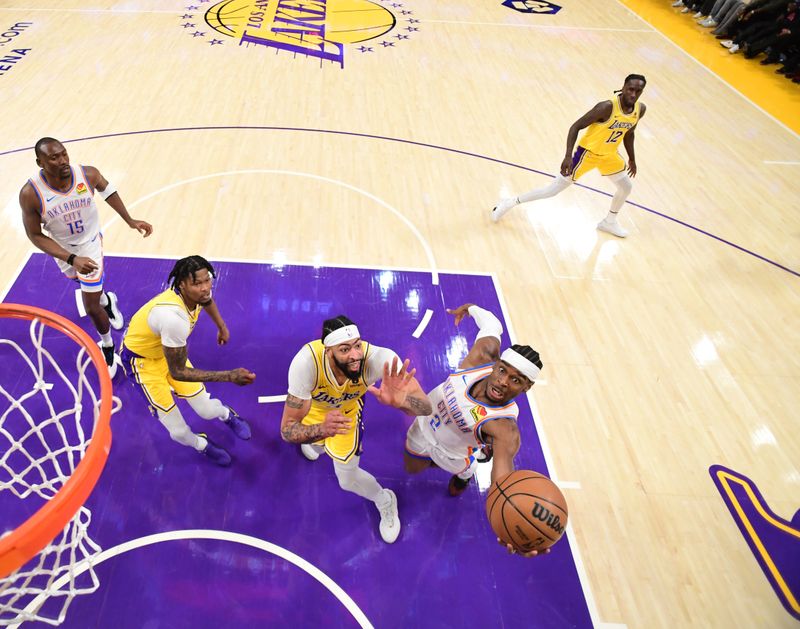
column 352, row 478
column 178, row 428
column 207, row 407
column 623, row 183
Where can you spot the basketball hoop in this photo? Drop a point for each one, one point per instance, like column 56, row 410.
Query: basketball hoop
column 53, row 451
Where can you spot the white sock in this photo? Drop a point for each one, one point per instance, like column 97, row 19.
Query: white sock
column 201, row 443
column 103, row 299
column 559, row 184
column 106, row 339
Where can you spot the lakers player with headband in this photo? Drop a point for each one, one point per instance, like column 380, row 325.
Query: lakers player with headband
column 474, row 416
column 328, row 379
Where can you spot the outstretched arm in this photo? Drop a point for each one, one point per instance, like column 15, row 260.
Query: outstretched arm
column 401, row 390
column 503, row 435
column 112, row 197
column 486, row 348
column 178, row 369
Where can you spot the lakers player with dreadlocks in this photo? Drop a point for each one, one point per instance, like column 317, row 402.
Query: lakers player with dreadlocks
column 154, row 355
column 610, row 123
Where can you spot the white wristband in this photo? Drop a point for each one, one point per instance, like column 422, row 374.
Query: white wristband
column 488, row 324
column 110, row 189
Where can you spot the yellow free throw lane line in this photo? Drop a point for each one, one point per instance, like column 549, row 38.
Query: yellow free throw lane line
column 774, row 94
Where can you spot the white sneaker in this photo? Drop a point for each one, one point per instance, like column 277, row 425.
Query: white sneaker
column 677, row 3
column 612, row 228
column 709, row 23
column 685, row 10
column 503, row 206
column 115, row 317
column 726, row 43
column 699, row 14
column 309, row 451
column 390, row 520
column 734, row 49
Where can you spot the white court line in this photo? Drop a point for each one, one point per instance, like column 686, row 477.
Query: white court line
column 79, row 302
column 267, row 399
column 711, row 72
column 567, row 484
column 548, row 457
column 782, row 163
column 225, row 536
column 423, row 324
column 268, row 171
column 542, row 27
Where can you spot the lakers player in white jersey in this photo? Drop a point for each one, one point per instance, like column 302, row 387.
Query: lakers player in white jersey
column 59, row 198
column 474, row 416
column 154, row 353
column 610, row 123
column 328, row 379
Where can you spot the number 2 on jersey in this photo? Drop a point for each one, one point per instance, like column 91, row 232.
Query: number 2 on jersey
column 615, row 135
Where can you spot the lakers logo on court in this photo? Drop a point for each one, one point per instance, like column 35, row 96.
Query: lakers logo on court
column 317, row 29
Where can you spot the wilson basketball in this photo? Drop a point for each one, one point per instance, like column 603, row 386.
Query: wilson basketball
column 527, row 510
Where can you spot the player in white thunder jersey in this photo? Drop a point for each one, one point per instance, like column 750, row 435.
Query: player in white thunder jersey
column 59, row 198
column 474, row 414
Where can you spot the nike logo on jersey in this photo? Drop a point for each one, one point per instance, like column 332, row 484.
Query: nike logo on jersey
column 51, row 198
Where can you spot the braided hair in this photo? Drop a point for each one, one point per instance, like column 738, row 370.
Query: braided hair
column 526, row 351
column 633, row 77
column 187, row 267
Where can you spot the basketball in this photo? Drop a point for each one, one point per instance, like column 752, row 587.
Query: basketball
column 527, row 510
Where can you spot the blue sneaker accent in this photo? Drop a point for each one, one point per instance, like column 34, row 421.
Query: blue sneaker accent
column 239, row 426
column 214, row 452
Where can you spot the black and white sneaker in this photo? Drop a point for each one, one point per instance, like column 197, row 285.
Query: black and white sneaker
column 115, row 317
column 112, row 359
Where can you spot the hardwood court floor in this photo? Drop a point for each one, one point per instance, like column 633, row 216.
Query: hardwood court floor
column 665, row 353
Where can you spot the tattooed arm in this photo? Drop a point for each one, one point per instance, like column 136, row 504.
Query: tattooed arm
column 293, row 431
column 401, row 390
column 178, row 369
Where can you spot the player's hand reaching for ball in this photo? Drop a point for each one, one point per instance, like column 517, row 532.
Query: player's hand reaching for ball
column 460, row 312
column 513, row 551
column 335, row 423
column 242, row 376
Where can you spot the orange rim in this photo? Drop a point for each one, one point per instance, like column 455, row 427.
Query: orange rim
column 28, row 539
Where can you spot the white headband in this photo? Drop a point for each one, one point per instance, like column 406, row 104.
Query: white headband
column 341, row 335
column 521, row 364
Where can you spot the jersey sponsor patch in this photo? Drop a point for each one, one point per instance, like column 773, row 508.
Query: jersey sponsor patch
column 478, row 412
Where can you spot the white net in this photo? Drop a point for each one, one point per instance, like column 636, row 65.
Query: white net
column 49, row 411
